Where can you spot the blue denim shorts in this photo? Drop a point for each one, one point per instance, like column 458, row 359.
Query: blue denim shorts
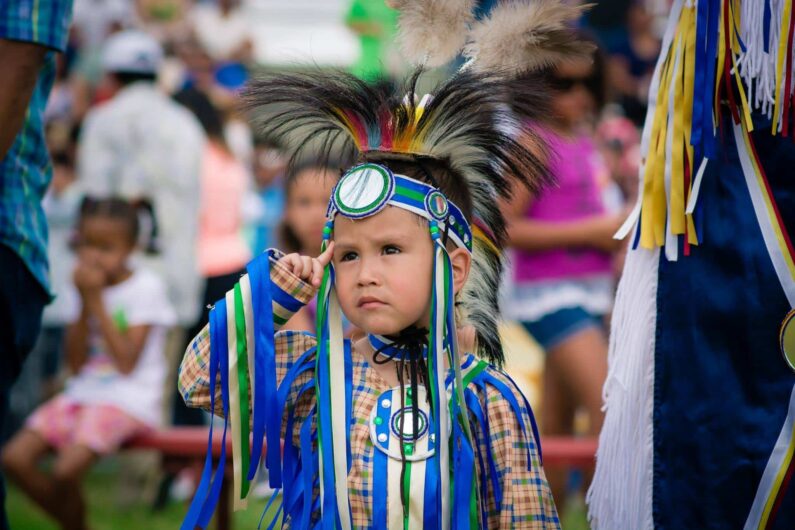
column 554, row 328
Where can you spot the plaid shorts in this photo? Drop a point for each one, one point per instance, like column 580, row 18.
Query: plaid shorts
column 100, row 427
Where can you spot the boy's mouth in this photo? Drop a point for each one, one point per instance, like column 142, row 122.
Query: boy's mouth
column 370, row 302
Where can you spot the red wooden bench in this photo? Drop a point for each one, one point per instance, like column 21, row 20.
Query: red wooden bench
column 183, row 447
column 186, row 447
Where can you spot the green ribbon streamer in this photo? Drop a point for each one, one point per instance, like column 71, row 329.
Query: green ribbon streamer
column 242, row 378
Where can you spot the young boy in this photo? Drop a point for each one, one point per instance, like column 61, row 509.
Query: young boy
column 395, row 430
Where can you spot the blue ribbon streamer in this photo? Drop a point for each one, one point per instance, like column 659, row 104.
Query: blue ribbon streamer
column 380, row 477
column 222, row 343
column 294, row 488
column 713, row 34
column 308, row 458
column 482, row 416
column 464, row 461
column 265, row 401
column 268, row 507
column 348, row 401
column 698, row 79
column 473, row 405
column 202, row 490
column 430, row 515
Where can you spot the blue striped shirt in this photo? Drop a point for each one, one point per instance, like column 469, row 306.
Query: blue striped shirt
column 25, row 172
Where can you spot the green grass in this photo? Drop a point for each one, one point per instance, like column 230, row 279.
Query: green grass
column 108, row 511
column 575, row 517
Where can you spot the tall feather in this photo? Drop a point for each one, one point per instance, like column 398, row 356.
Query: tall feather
column 523, row 36
column 474, row 123
column 432, row 32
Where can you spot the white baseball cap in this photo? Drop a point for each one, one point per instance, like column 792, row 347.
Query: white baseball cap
column 132, row 52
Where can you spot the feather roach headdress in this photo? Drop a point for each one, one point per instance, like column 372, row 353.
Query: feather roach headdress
column 515, row 37
column 475, row 123
column 431, row 32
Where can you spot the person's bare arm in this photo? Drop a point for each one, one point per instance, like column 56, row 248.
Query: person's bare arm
column 21, row 62
column 594, row 232
column 526, row 234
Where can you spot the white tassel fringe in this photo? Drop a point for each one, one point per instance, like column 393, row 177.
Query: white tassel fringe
column 621, row 492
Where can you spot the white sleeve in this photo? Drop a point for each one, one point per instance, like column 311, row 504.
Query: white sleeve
column 149, row 304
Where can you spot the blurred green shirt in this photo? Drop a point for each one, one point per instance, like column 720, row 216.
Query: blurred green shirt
column 375, row 13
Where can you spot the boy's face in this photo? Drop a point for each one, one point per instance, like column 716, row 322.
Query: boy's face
column 384, row 265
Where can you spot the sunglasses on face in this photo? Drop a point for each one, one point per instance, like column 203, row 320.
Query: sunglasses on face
column 566, row 84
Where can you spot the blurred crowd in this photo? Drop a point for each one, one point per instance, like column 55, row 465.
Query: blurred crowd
column 145, row 116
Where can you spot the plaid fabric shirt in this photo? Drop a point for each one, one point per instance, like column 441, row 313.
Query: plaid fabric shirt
column 25, row 171
column 527, row 500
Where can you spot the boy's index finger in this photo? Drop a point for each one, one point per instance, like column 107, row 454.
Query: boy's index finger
column 325, row 257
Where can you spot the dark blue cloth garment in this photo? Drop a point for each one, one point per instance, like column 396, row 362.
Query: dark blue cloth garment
column 22, row 301
column 721, row 388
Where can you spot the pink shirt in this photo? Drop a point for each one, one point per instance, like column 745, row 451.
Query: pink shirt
column 576, row 167
column 222, row 249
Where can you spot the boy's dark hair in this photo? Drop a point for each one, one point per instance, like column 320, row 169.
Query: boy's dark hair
column 127, row 78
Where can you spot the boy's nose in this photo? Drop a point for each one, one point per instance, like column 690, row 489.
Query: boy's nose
column 368, row 273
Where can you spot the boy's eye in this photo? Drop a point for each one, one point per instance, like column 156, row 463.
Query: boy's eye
column 348, row 256
column 391, row 249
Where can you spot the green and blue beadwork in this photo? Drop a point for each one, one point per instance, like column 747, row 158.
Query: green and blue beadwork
column 367, row 188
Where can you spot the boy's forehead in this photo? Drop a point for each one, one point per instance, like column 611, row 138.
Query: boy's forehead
column 389, row 222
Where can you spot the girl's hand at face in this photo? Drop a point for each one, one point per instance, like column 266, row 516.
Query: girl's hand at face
column 308, row 268
column 89, row 279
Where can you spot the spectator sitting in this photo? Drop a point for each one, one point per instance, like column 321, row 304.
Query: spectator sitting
column 141, row 145
column 115, row 351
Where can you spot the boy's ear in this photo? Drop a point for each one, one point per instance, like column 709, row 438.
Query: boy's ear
column 461, row 261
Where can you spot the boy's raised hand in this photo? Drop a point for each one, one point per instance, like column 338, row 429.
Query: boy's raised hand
column 308, row 268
